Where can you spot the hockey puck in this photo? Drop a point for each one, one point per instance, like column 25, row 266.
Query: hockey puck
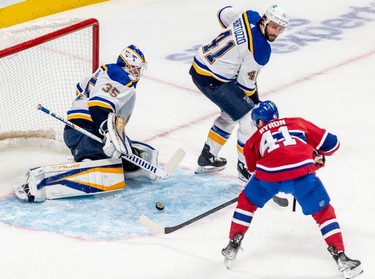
column 159, row 206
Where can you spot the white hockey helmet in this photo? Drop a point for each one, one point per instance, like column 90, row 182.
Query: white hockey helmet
column 133, row 61
column 277, row 15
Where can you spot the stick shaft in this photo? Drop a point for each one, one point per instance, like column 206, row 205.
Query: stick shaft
column 70, row 124
column 131, row 158
column 205, row 214
column 166, row 230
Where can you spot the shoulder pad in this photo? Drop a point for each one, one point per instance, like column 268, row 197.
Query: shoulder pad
column 116, row 73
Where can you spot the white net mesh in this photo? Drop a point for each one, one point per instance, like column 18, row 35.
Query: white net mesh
column 45, row 73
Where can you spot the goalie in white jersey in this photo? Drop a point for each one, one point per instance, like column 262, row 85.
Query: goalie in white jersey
column 226, row 71
column 104, row 103
column 111, row 88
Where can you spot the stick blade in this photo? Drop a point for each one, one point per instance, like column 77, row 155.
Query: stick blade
column 151, row 224
column 227, row 263
column 174, row 161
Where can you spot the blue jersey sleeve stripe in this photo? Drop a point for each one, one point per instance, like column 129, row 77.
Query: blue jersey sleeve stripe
column 79, row 88
column 329, row 144
column 83, row 111
column 101, row 102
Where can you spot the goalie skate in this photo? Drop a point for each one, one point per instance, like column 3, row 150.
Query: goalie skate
column 23, row 193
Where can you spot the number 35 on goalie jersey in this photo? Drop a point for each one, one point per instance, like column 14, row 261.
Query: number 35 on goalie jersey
column 283, row 149
column 237, row 54
column 109, row 89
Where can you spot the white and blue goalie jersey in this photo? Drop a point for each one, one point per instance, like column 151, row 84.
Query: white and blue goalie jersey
column 109, row 89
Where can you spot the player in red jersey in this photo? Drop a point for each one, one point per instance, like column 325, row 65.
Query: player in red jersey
column 284, row 154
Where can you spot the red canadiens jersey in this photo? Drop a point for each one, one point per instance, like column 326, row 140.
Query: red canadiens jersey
column 283, row 149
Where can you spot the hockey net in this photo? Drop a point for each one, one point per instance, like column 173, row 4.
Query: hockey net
column 40, row 63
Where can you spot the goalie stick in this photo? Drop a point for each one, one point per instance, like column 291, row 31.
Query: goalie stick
column 159, row 172
column 166, row 230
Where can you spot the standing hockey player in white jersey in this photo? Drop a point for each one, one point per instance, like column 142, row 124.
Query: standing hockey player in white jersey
column 103, row 106
column 226, row 71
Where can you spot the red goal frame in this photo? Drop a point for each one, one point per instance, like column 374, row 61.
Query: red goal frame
column 59, row 33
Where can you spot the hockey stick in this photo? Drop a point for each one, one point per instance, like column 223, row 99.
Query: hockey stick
column 294, row 205
column 159, row 172
column 166, row 230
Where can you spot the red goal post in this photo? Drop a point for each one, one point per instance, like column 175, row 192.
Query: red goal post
column 41, row 62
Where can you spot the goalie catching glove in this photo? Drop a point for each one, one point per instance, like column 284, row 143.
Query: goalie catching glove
column 116, row 143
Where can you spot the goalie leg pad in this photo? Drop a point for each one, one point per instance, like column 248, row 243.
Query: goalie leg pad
column 72, row 180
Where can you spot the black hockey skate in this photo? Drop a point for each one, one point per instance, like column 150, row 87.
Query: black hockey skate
column 243, row 173
column 230, row 252
column 207, row 162
column 350, row 268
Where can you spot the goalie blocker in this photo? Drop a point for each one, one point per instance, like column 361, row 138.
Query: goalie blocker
column 84, row 178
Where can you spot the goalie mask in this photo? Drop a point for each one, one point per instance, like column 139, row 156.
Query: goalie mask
column 133, row 61
column 265, row 111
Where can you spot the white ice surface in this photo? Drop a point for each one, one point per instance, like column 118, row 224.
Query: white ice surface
column 330, row 82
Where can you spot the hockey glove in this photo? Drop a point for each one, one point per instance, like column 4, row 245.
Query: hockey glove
column 116, row 142
column 109, row 148
column 319, row 159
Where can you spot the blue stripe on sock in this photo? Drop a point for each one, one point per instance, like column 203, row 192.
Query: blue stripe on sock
column 242, row 217
column 329, row 227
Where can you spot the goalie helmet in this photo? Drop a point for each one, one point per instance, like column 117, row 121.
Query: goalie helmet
column 133, row 61
column 277, row 15
column 265, row 111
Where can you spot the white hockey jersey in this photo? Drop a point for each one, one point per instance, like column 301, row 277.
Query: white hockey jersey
column 238, row 53
column 109, row 89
